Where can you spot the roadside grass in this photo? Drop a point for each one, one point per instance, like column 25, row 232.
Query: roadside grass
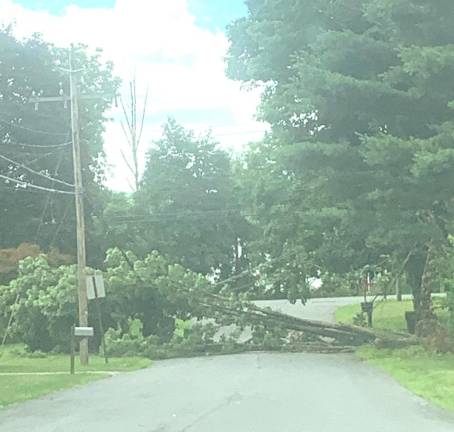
column 428, row 375
column 388, row 314
column 17, row 388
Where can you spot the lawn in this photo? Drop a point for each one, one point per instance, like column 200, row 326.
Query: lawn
column 429, row 375
column 16, row 388
column 388, row 314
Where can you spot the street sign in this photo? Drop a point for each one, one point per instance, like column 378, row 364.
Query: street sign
column 84, row 331
column 95, row 287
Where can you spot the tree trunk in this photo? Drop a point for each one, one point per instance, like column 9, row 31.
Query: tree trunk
column 425, row 309
column 398, row 290
column 237, row 256
column 419, row 279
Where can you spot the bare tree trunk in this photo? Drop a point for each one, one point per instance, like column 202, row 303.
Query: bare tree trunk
column 132, row 129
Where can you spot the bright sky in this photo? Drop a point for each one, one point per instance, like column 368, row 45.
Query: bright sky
column 175, row 47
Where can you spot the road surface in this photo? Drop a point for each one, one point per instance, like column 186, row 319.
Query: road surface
column 318, row 309
column 241, row 393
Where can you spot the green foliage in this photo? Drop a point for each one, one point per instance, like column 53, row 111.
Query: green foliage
column 359, row 96
column 129, row 343
column 10, row 258
column 182, row 328
column 150, row 291
column 34, row 65
column 189, row 339
column 43, row 300
column 186, row 207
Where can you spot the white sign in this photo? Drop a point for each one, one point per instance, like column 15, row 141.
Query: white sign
column 95, row 287
column 84, row 331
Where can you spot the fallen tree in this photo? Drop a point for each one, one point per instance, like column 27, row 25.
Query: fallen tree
column 198, row 298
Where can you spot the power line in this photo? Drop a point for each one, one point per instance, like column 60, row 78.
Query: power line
column 238, row 132
column 227, row 211
column 37, row 146
column 32, row 171
column 26, row 185
column 178, row 213
column 49, row 199
column 60, row 225
column 163, row 217
column 8, row 123
column 39, row 158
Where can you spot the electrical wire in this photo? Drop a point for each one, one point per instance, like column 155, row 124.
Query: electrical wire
column 8, row 123
column 49, row 199
column 37, row 146
column 26, row 185
column 32, row 171
column 165, row 215
column 60, row 225
column 39, row 158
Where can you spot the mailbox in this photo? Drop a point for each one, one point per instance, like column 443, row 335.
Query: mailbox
column 83, row 331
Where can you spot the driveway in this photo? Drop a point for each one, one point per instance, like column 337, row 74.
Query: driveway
column 318, row 309
column 240, row 393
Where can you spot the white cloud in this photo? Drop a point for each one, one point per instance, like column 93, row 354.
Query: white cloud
column 159, row 41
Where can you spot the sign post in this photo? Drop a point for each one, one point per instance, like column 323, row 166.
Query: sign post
column 95, row 292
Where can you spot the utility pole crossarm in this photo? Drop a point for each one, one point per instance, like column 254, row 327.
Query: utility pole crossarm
column 38, row 100
column 64, row 98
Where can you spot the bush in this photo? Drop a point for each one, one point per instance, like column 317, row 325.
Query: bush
column 43, row 300
column 131, row 343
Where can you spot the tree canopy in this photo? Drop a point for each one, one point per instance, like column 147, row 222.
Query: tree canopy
column 186, row 207
column 358, row 93
column 40, row 139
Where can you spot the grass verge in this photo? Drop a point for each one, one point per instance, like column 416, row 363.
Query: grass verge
column 429, row 375
column 17, row 388
column 388, row 314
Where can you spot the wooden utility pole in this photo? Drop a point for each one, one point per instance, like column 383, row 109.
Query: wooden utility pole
column 79, row 194
column 80, row 215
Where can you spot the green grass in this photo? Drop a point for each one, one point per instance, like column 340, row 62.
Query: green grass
column 388, row 314
column 20, row 388
column 427, row 374
column 17, row 388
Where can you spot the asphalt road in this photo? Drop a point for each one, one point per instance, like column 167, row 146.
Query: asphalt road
column 240, row 393
column 318, row 309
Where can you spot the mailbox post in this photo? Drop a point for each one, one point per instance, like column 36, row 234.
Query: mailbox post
column 78, row 332
column 368, row 308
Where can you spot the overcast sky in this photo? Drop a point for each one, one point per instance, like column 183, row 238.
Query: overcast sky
column 175, row 47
